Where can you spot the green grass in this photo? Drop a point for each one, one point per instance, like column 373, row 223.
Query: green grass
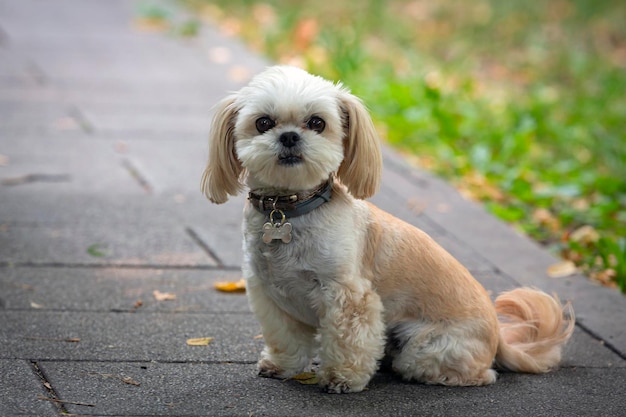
column 520, row 104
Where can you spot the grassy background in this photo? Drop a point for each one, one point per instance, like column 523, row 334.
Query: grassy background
column 520, row 104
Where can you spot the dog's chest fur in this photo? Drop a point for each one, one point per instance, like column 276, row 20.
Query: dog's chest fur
column 295, row 275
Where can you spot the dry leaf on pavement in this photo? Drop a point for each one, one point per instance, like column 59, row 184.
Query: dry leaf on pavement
column 306, row 378
column 163, row 296
column 231, row 286
column 562, row 269
column 199, row 341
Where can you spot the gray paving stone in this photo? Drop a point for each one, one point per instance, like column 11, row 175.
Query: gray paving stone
column 64, row 162
column 584, row 350
column 119, row 244
column 98, row 230
column 172, row 166
column 106, row 77
column 174, row 228
column 42, row 334
column 176, row 122
column 69, row 16
column 34, row 116
column 19, row 388
column 233, row 389
column 118, row 289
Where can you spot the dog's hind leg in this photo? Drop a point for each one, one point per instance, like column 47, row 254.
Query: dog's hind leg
column 443, row 353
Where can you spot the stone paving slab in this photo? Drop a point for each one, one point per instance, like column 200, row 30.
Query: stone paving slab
column 176, row 122
column 66, row 162
column 48, row 335
column 19, row 388
column 35, row 116
column 118, row 244
column 126, row 229
column 118, row 290
column 231, row 389
column 70, row 16
column 172, row 165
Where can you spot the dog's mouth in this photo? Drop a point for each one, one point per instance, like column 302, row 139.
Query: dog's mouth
column 289, row 160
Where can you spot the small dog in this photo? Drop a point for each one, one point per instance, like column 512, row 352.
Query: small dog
column 330, row 274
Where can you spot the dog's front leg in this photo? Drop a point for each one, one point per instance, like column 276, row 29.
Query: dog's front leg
column 352, row 336
column 288, row 343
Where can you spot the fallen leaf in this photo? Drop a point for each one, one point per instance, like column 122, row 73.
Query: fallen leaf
column 128, row 380
column 163, row 296
column 562, row 269
column 306, row 378
column 584, row 234
column 125, row 379
column 231, row 286
column 545, row 218
column 199, row 341
column 54, row 339
column 97, row 250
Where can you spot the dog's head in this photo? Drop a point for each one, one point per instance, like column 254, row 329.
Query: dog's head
column 289, row 130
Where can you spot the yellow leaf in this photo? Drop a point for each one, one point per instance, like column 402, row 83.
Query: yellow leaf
column 199, row 341
column 231, row 286
column 163, row 296
column 562, row 269
column 306, row 378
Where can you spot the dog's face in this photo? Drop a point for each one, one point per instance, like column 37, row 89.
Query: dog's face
column 289, row 131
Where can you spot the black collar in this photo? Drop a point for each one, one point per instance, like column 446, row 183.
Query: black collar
column 292, row 205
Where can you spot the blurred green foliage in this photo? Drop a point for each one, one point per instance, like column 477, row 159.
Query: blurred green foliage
column 520, row 104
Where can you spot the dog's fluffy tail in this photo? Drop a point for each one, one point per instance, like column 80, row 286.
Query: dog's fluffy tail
column 533, row 329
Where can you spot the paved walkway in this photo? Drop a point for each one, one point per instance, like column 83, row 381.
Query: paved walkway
column 102, row 140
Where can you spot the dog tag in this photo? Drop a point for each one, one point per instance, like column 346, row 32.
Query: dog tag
column 277, row 230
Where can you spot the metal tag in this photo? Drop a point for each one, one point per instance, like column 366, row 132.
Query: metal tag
column 277, row 230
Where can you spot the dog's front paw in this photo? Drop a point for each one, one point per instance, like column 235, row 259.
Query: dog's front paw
column 268, row 369
column 336, row 383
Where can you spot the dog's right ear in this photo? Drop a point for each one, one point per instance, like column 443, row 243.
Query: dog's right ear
column 221, row 177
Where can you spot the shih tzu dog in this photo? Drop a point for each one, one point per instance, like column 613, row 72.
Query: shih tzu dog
column 330, row 274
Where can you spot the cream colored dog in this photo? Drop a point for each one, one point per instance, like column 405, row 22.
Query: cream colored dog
column 330, row 274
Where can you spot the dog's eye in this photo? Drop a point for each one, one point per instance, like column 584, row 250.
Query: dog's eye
column 263, row 124
column 317, row 124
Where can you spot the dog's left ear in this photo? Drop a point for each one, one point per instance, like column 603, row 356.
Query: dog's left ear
column 362, row 164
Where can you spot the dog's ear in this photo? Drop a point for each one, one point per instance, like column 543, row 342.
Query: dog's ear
column 221, row 177
column 362, row 164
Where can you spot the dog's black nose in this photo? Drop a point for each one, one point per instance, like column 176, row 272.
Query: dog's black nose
column 289, row 139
